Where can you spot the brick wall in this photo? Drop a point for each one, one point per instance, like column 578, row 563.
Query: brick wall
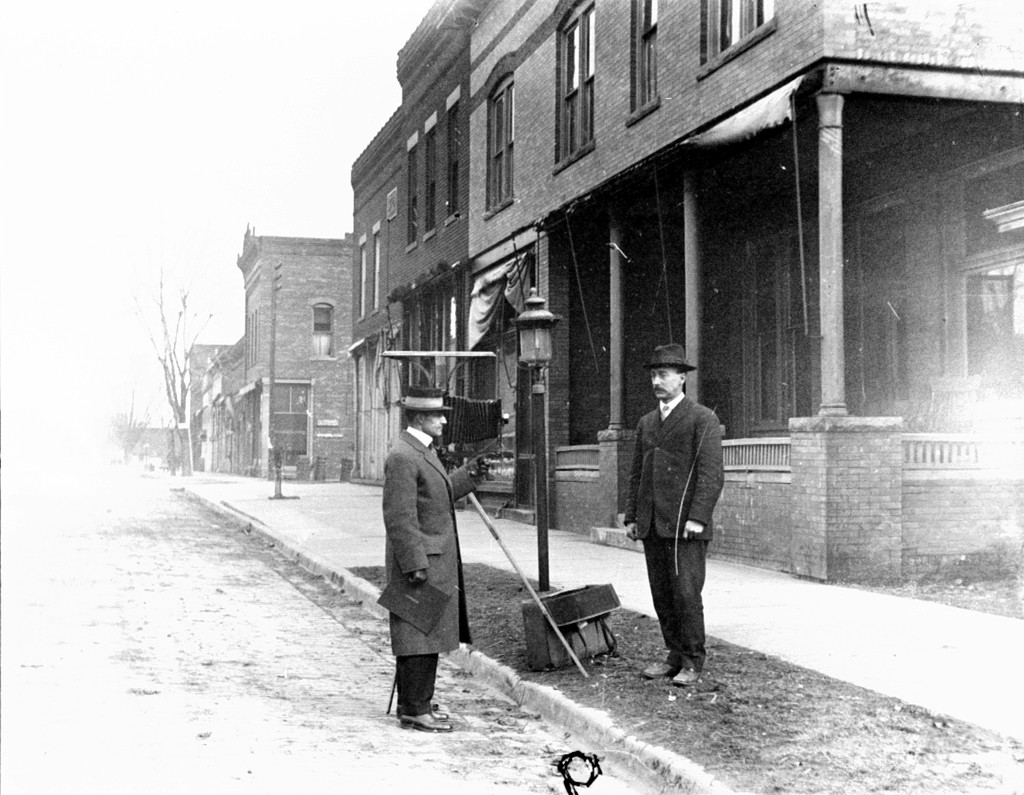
column 969, row 525
column 752, row 520
column 846, row 503
column 312, row 271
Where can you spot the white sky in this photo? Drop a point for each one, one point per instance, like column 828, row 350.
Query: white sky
column 139, row 136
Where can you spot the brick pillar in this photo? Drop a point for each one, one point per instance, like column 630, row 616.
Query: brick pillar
column 616, row 458
column 847, row 485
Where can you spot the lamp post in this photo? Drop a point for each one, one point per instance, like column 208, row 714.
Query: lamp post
column 535, row 325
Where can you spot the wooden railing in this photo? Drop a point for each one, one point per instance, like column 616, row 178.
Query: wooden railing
column 769, row 454
column 578, row 457
column 928, row 451
column 962, row 451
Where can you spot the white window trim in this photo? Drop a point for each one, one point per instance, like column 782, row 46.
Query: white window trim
column 454, row 97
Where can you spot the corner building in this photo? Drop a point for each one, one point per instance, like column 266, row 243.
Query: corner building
column 823, row 203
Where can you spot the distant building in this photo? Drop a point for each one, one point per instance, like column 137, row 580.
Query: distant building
column 219, row 426
column 296, row 388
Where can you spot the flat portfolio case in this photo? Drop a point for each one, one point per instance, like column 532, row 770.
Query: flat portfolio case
column 422, row 607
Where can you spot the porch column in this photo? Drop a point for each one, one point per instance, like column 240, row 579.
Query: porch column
column 691, row 280
column 830, row 242
column 616, row 442
column 615, row 330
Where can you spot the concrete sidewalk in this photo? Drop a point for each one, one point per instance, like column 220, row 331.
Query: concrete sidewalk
column 954, row 662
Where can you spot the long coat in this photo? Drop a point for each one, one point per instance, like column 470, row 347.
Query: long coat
column 419, row 519
column 689, row 441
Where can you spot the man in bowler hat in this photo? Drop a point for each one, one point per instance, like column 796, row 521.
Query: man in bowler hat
column 423, row 546
column 675, row 481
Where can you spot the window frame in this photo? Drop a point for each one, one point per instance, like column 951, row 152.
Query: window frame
column 729, row 26
column 430, row 180
column 576, row 77
column 362, row 277
column 412, row 205
column 644, row 94
column 454, row 141
column 501, row 145
column 320, row 333
column 376, row 269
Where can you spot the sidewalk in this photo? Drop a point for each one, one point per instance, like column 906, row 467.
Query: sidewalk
column 954, row 662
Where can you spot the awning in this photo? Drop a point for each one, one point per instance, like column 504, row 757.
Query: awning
column 510, row 280
column 768, row 112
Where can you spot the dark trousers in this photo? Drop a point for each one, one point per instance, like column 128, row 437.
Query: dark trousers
column 415, row 674
column 677, row 597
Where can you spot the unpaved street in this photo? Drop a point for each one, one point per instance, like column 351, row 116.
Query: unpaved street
column 149, row 646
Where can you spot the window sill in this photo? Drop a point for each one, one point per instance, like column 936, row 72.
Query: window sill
column 736, row 50
column 429, row 235
column 451, row 219
column 410, row 247
column 644, row 112
column 498, row 208
column 576, row 156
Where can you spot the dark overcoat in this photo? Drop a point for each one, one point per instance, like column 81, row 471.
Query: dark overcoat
column 666, row 453
column 419, row 519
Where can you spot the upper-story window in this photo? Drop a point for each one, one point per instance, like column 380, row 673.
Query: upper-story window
column 454, row 142
column 412, row 214
column 728, row 22
column 501, row 138
column 430, row 174
column 323, row 330
column 645, row 52
column 361, row 299
column 576, row 89
column 376, row 267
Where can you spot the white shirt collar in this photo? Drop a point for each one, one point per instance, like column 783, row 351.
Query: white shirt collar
column 665, row 408
column 426, row 438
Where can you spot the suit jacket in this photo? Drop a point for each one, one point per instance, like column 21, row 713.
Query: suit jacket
column 419, row 519
column 663, row 493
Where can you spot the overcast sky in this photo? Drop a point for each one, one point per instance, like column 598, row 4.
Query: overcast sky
column 135, row 136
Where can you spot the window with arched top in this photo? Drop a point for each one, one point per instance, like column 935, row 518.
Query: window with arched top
column 500, row 144
column 323, row 330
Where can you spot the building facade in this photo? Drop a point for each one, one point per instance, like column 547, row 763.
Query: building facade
column 824, row 205
column 296, row 387
column 410, row 215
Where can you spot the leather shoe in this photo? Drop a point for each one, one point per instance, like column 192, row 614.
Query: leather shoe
column 686, row 676
column 424, row 723
column 660, row 670
column 438, row 713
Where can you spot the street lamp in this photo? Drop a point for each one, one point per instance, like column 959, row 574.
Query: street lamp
column 535, row 325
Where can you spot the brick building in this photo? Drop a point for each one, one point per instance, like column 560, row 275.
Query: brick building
column 824, row 203
column 220, row 382
column 296, row 386
column 410, row 199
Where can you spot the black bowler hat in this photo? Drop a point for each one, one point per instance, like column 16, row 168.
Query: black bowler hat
column 424, row 398
column 671, row 355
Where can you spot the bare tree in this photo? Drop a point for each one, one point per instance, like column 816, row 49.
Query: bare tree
column 173, row 333
column 127, row 429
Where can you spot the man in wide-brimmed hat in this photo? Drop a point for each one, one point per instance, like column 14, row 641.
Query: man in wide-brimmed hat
column 675, row 481
column 423, row 546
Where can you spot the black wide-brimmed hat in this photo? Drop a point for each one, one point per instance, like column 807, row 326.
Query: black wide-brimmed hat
column 424, row 398
column 671, row 355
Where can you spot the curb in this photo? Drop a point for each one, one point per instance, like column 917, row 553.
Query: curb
column 652, row 763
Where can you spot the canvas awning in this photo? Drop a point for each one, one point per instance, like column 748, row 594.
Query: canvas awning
column 510, row 280
column 768, row 112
